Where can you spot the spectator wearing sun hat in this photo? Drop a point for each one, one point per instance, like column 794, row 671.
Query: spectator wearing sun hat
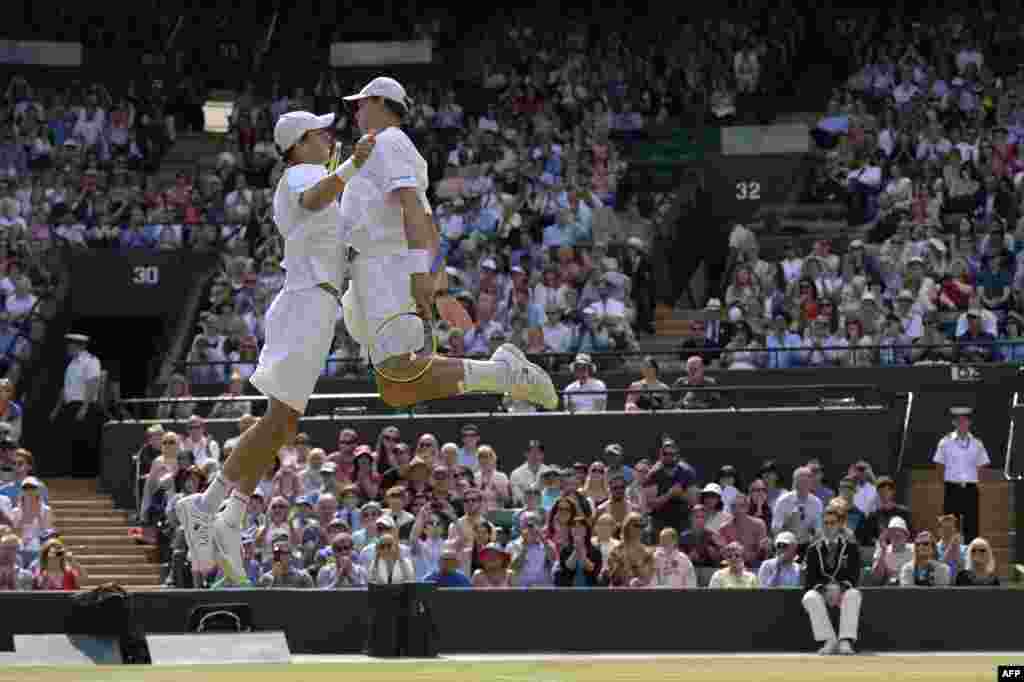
column 782, row 570
column 595, row 398
column 495, row 572
column 892, row 552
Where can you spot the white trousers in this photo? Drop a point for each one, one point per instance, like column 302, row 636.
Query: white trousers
column 821, row 624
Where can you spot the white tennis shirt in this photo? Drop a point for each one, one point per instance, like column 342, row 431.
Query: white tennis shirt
column 369, row 212
column 313, row 240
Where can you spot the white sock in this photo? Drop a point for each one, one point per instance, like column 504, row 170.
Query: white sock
column 234, row 509
column 485, row 376
column 216, row 492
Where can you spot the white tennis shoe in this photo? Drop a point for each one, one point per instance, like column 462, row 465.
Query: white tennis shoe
column 527, row 381
column 195, row 521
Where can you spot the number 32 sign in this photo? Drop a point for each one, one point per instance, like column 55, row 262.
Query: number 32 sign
column 146, row 275
column 748, row 191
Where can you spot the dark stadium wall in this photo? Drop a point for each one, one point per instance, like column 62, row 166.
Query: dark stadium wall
column 728, row 621
column 134, row 283
column 707, row 440
column 987, row 388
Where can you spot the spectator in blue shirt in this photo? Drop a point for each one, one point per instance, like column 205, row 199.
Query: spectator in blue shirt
column 783, row 570
column 782, row 337
column 448, row 573
column 1008, row 352
column 8, row 332
column 481, row 220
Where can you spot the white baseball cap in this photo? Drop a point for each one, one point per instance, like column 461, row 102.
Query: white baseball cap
column 385, row 87
column 785, row 538
column 292, row 126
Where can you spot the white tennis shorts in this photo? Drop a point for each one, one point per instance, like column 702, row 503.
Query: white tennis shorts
column 299, row 331
column 378, row 290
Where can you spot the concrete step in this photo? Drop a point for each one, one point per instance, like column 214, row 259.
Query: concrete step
column 102, row 518
column 81, row 506
column 96, row 541
column 120, row 578
column 125, row 568
column 107, row 555
column 69, row 524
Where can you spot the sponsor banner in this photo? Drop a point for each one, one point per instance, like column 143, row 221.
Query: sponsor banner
column 40, row 53
column 756, row 140
column 381, row 54
column 678, row 146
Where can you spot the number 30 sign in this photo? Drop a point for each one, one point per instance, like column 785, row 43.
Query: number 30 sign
column 146, row 275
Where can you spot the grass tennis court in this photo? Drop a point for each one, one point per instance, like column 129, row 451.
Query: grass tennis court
column 725, row 669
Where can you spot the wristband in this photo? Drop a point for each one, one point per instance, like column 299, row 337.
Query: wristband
column 418, row 260
column 438, row 263
column 347, row 170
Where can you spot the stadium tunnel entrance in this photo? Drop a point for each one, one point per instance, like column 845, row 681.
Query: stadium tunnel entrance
column 129, row 348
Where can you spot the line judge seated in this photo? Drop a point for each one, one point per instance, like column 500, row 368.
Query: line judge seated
column 833, row 566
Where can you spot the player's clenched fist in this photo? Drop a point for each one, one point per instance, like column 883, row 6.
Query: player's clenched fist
column 364, row 147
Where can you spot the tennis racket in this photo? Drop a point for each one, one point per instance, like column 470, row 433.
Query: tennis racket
column 402, row 349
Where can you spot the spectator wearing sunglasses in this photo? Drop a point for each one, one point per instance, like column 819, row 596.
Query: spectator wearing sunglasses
column 579, row 562
column 282, row 573
column 783, row 570
column 395, row 500
column 980, row 569
column 345, row 570
column 426, row 542
column 924, row 570
column 533, row 557
column 595, row 487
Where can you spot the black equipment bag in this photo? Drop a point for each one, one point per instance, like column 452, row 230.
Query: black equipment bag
column 108, row 611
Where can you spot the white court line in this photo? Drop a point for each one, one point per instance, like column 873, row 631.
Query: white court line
column 595, row 658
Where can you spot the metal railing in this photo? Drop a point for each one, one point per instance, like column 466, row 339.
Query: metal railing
column 850, row 401
column 906, row 431
column 564, row 358
column 1007, row 466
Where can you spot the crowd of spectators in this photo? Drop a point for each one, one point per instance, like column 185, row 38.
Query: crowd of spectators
column 922, row 144
column 76, row 168
column 33, row 556
column 445, row 512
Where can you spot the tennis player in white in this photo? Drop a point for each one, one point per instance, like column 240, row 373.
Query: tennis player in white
column 385, row 210
column 299, row 330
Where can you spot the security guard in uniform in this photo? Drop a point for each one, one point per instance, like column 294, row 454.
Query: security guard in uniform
column 77, row 412
column 961, row 455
